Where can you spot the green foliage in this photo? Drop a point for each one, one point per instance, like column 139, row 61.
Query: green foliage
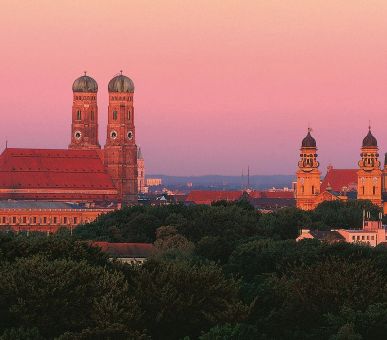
column 21, row 333
column 221, row 272
column 231, row 332
column 62, row 295
column 182, row 298
column 53, row 247
column 338, row 214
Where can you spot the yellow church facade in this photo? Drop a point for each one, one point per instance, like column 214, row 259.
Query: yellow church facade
column 367, row 182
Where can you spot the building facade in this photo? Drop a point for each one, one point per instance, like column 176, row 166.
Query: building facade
column 47, row 217
column 367, row 182
column 84, row 172
column 35, row 184
column 372, row 233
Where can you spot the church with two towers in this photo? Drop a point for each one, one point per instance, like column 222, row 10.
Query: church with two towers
column 84, row 172
column 367, row 182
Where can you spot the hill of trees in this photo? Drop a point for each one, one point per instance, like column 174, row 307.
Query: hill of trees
column 220, row 272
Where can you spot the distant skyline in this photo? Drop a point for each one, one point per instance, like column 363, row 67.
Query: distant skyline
column 220, row 84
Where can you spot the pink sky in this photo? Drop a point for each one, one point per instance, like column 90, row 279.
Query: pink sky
column 219, row 84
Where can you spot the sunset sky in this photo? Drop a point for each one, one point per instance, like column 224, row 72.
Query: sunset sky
column 219, row 84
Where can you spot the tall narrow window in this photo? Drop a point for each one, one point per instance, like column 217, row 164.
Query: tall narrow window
column 363, row 189
column 92, row 115
column 128, row 115
column 114, row 115
column 373, row 190
column 302, row 189
column 312, row 189
column 79, row 115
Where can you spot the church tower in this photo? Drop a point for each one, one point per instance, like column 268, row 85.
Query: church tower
column 120, row 148
column 308, row 175
column 141, row 172
column 84, row 126
column 369, row 176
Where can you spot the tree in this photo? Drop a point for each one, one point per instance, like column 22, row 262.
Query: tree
column 168, row 238
column 231, row 332
column 62, row 295
column 180, row 298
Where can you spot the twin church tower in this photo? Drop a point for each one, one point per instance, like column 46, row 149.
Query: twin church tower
column 338, row 183
column 120, row 152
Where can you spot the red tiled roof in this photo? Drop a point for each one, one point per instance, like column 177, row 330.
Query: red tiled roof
column 271, row 194
column 339, row 179
column 54, row 174
column 209, row 196
column 141, row 250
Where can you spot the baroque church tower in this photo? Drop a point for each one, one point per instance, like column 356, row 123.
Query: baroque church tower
column 369, row 180
column 120, row 148
column 308, row 175
column 84, row 126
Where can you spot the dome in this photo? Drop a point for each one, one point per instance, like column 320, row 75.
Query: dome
column 370, row 140
column 85, row 84
column 308, row 141
column 121, row 83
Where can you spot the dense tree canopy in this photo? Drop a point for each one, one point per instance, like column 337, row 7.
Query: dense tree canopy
column 220, row 272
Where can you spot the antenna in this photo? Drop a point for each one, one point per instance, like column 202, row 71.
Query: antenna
column 243, row 181
column 248, row 177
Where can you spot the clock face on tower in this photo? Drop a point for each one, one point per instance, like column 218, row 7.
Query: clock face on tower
column 113, row 134
column 130, row 135
column 77, row 135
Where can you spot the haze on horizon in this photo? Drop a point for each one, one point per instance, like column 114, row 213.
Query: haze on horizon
column 219, row 84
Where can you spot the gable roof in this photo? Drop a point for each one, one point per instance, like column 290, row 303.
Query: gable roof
column 54, row 174
column 209, row 196
column 327, row 235
column 338, row 179
column 272, row 194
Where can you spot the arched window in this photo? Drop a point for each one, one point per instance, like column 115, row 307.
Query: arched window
column 79, row 115
column 114, row 115
column 92, row 115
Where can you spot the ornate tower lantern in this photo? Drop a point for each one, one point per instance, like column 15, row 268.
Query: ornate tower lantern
column 369, row 176
column 308, row 175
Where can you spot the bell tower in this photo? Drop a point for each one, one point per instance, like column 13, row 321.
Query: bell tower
column 308, row 175
column 84, row 126
column 120, row 148
column 369, row 175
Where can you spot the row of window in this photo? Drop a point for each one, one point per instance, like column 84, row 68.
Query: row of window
column 79, row 115
column 373, row 190
column 130, row 98
column 363, row 238
column 85, row 97
column 38, row 220
column 115, row 115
